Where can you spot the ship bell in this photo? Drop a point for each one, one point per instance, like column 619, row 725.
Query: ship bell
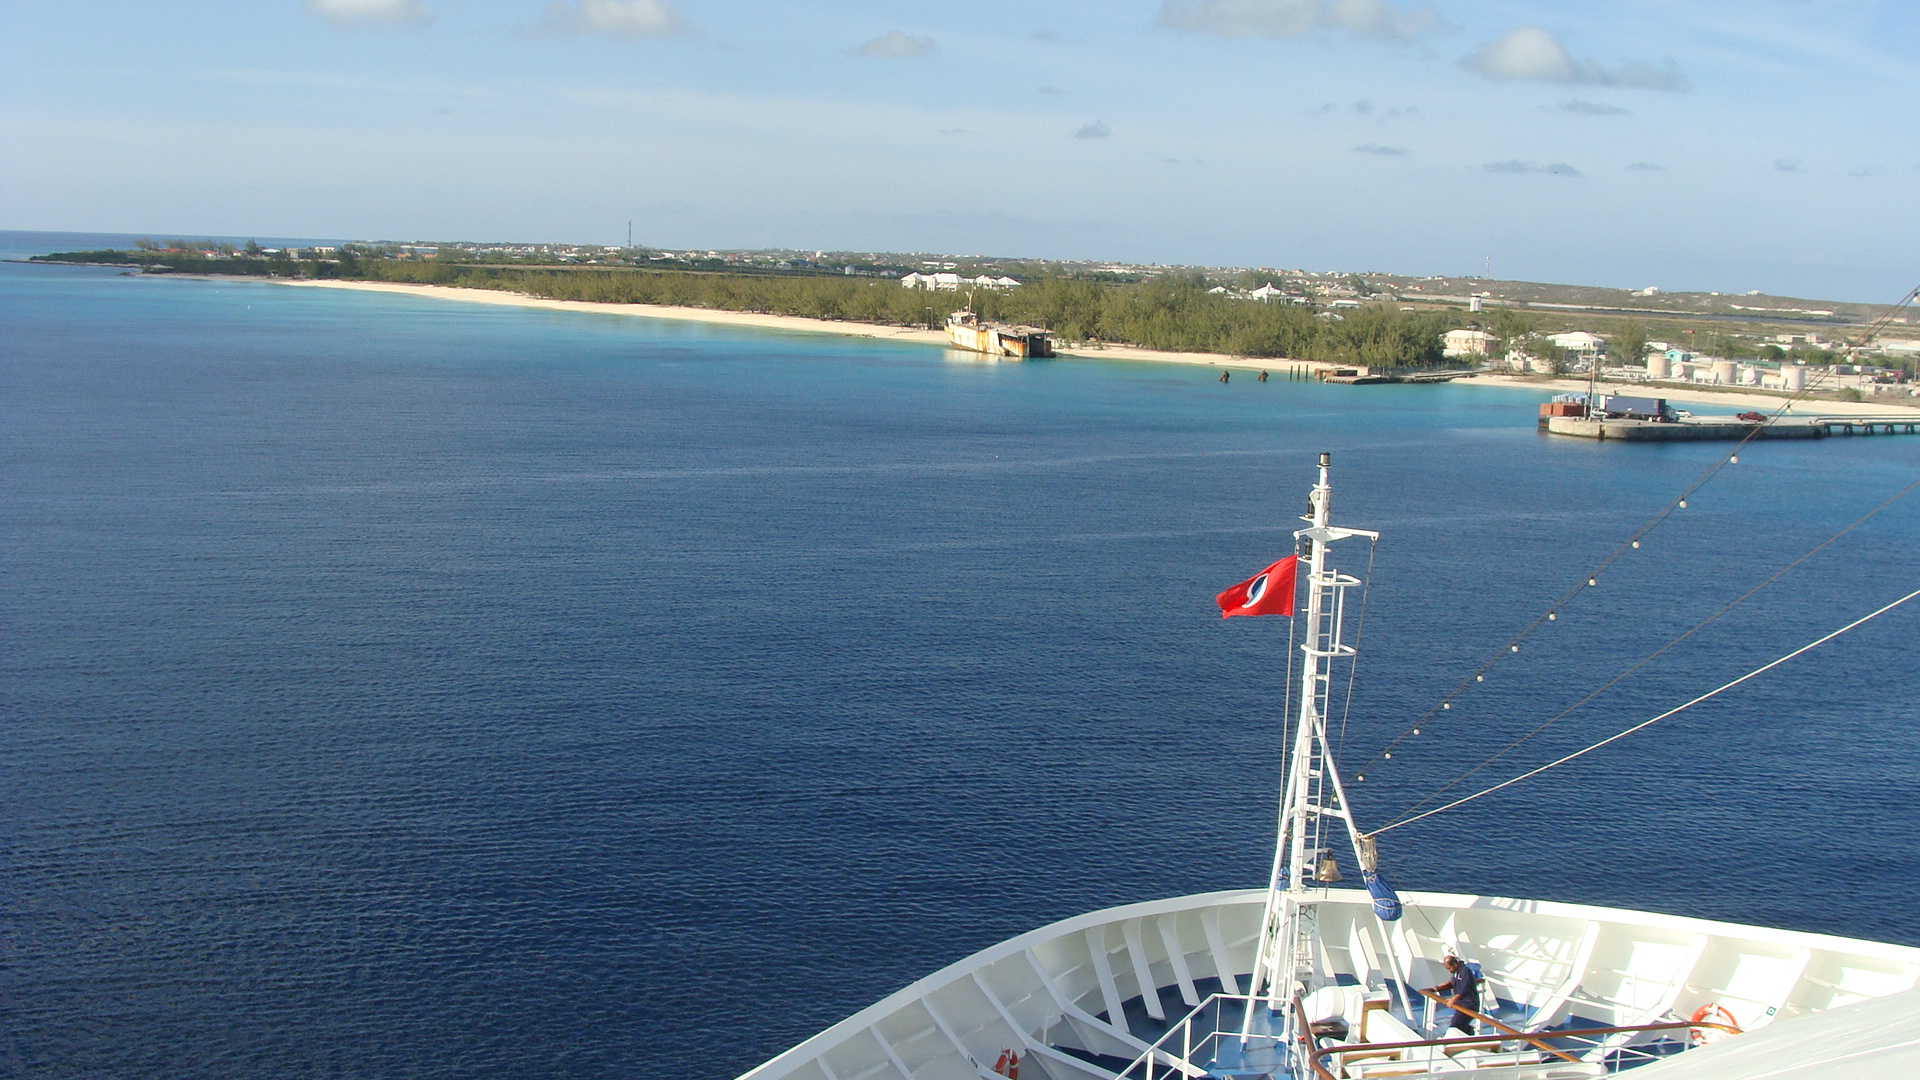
column 1327, row 870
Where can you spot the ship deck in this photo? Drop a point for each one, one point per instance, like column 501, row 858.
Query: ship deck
column 1088, row 998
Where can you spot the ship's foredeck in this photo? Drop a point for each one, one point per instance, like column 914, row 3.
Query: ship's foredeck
column 1088, row 997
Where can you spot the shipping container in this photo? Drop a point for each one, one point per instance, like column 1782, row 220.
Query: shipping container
column 1639, row 408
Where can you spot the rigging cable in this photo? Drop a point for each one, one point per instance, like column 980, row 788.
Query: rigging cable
column 1610, row 683
column 1822, row 640
column 1286, row 708
column 1359, row 633
column 1886, row 317
column 1591, row 578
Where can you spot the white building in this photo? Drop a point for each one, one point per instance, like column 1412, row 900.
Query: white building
column 1467, row 343
column 951, row 282
column 1579, row 342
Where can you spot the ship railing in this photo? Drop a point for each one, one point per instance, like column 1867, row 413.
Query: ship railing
column 1213, row 1040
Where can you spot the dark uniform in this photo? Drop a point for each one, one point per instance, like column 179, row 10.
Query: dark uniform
column 1465, row 993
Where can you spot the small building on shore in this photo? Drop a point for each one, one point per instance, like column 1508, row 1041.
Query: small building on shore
column 1578, row 345
column 951, row 282
column 1467, row 343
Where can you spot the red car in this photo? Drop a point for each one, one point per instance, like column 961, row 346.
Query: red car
column 1752, row 417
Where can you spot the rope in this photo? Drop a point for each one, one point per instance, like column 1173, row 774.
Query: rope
column 1286, row 701
column 1887, row 317
column 1359, row 635
column 1591, row 578
column 1609, row 684
column 1817, row 642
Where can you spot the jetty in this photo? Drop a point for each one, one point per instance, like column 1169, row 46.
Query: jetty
column 1706, row 429
column 1366, row 376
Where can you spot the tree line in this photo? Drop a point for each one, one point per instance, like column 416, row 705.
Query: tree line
column 1173, row 312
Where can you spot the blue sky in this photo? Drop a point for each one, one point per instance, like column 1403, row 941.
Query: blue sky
column 1765, row 144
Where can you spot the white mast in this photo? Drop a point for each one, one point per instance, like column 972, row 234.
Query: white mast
column 1285, row 965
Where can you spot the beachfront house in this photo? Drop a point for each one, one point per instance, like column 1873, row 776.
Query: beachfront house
column 951, row 282
column 1577, row 349
column 1468, row 343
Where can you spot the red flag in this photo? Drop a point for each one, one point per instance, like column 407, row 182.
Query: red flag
column 1270, row 592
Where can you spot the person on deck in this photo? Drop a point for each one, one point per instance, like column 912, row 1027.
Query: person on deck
column 1462, row 992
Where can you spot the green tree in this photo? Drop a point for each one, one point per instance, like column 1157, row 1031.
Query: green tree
column 1510, row 326
column 1629, row 344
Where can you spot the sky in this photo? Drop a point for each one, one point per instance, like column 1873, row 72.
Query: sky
column 1720, row 145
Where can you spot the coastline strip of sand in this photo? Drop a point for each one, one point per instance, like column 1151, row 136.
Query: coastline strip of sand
column 1113, row 352
column 766, row 322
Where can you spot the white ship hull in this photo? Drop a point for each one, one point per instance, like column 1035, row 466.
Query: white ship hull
column 1301, row 982
column 1068, row 998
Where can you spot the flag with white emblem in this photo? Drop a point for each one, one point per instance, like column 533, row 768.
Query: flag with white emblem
column 1270, row 592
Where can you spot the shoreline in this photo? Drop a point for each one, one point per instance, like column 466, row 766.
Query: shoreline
column 761, row 321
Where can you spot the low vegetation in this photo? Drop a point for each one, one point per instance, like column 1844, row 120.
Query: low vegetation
column 1172, row 312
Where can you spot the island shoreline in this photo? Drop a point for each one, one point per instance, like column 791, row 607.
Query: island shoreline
column 764, row 321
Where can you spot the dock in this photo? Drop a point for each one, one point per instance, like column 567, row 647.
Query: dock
column 1366, row 376
column 1704, row 429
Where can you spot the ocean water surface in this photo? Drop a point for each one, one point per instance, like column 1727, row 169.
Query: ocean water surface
column 400, row 688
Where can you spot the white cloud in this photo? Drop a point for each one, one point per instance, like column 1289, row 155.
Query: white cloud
column 1592, row 108
column 1295, row 18
column 346, row 13
column 626, row 20
column 895, row 44
column 1381, row 151
column 1558, row 168
column 1532, row 54
column 1094, row 130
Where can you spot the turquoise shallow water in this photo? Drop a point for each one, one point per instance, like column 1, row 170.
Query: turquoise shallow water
column 402, row 688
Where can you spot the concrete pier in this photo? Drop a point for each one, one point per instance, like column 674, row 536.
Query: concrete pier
column 1707, row 430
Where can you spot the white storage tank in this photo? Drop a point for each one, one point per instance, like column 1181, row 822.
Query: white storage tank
column 1658, row 366
column 1749, row 376
column 1724, row 372
column 1793, row 377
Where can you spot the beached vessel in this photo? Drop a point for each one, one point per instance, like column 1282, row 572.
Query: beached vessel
column 968, row 331
column 1304, row 980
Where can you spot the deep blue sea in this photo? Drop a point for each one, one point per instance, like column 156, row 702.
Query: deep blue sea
column 392, row 687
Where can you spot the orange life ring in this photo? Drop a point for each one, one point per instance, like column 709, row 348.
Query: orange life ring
column 1713, row 1013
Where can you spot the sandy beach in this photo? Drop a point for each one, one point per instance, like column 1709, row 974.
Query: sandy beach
column 1105, row 352
column 784, row 322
